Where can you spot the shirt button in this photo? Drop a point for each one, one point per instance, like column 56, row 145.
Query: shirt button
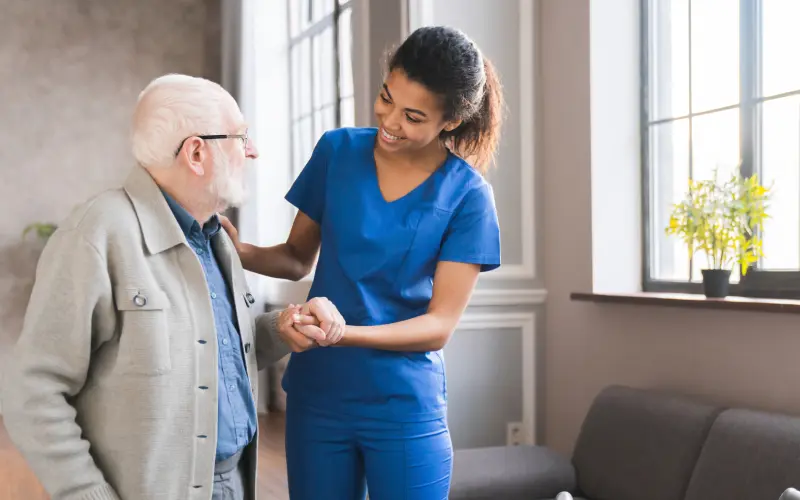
column 224, row 341
column 231, row 387
column 199, row 251
column 213, row 295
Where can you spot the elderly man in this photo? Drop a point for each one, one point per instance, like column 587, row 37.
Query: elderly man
column 135, row 374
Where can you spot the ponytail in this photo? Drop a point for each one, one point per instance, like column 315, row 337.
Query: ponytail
column 477, row 138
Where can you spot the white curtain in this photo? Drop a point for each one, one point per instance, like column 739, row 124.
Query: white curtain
column 255, row 72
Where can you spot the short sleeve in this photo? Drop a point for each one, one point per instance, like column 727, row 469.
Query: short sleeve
column 308, row 191
column 473, row 236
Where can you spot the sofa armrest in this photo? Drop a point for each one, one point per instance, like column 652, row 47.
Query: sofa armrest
column 510, row 473
column 790, row 494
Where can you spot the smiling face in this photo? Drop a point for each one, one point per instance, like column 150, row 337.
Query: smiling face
column 410, row 117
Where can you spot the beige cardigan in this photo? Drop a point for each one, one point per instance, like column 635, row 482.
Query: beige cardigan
column 111, row 391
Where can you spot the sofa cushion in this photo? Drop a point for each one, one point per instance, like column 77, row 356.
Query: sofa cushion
column 748, row 454
column 510, row 473
column 573, row 498
column 637, row 444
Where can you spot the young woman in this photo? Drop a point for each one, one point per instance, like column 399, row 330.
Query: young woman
column 405, row 225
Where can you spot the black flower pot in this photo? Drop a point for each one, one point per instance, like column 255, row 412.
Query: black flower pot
column 716, row 283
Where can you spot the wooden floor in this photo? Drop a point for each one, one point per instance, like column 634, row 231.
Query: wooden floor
column 17, row 482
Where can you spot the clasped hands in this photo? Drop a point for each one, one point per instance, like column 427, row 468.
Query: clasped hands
column 315, row 323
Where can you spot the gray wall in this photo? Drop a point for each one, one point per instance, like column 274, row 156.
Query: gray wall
column 70, row 72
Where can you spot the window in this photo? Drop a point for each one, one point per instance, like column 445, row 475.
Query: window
column 721, row 86
column 321, row 74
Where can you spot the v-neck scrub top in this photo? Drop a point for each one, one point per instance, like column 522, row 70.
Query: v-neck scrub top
column 376, row 264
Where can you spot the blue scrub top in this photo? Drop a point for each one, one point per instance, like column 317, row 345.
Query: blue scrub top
column 376, row 264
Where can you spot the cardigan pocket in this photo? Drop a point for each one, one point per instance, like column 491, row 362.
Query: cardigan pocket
column 144, row 343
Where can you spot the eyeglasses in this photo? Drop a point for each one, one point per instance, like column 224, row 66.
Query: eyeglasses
column 243, row 137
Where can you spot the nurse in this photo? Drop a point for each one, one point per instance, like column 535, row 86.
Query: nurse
column 404, row 222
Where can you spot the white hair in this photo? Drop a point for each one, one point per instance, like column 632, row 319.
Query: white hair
column 172, row 108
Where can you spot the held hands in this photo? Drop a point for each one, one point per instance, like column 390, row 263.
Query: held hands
column 315, row 323
column 330, row 320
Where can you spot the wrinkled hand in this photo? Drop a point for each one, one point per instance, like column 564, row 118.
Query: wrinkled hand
column 330, row 320
column 233, row 233
column 300, row 332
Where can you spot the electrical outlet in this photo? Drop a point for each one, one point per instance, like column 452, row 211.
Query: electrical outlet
column 514, row 434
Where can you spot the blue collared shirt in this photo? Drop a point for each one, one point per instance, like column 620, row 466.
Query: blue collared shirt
column 236, row 413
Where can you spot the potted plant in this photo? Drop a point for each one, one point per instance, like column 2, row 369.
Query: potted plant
column 42, row 230
column 724, row 220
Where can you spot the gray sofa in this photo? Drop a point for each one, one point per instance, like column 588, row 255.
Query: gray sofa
column 645, row 445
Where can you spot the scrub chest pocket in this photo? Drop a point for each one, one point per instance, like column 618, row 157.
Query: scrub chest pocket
column 406, row 246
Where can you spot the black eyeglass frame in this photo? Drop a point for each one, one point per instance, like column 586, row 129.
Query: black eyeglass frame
column 243, row 137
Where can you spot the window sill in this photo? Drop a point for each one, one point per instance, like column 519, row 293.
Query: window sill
column 694, row 301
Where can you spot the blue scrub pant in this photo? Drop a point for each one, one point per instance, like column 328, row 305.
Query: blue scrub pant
column 336, row 457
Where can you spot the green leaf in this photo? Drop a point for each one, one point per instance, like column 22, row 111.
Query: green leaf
column 43, row 230
column 723, row 218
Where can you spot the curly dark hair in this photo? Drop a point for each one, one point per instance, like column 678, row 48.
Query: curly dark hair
column 449, row 64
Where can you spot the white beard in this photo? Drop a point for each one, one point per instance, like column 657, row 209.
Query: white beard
column 227, row 187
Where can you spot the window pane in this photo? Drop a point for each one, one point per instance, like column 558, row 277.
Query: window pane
column 348, row 106
column 307, row 140
column 319, row 124
column 294, row 17
column 328, row 118
column 781, row 39
column 715, row 144
column 305, row 14
column 781, row 166
column 322, row 8
column 327, row 77
column 345, row 53
column 304, row 81
column 669, row 160
column 319, row 51
column 715, row 54
column 669, row 58
column 298, row 159
column 295, row 83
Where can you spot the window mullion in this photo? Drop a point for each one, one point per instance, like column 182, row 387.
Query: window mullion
column 748, row 70
column 337, row 12
column 647, row 206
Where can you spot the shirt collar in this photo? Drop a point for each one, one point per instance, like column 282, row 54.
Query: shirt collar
column 188, row 223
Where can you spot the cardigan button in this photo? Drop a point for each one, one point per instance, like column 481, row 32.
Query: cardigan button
column 247, row 347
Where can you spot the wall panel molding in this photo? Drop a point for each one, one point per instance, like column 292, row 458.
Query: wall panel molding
column 526, row 323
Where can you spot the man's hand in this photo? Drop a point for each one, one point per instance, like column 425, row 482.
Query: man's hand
column 330, row 320
column 300, row 332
